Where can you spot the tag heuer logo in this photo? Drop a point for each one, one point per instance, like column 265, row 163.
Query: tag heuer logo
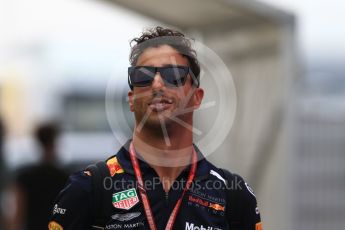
column 125, row 199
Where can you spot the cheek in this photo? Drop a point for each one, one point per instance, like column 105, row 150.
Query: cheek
column 188, row 95
column 139, row 100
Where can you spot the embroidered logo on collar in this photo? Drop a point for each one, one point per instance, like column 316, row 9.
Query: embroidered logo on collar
column 114, row 166
column 126, row 216
column 125, row 199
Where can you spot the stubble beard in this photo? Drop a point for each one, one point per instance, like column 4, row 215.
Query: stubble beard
column 151, row 121
column 159, row 123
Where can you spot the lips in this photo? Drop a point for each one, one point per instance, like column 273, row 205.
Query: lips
column 160, row 104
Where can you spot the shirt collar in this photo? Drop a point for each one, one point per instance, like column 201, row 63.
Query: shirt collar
column 203, row 166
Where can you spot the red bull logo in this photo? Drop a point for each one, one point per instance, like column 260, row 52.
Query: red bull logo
column 114, row 166
column 217, row 207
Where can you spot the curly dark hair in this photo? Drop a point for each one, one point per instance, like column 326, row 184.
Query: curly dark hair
column 158, row 36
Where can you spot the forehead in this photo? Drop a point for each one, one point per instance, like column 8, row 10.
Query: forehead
column 160, row 56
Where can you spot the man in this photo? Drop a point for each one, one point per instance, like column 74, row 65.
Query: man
column 35, row 186
column 159, row 179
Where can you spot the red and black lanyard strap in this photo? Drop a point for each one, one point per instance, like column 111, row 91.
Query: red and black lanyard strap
column 143, row 194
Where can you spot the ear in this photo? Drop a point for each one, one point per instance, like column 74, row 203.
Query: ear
column 130, row 100
column 197, row 97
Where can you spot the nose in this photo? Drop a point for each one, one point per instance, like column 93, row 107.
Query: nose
column 158, row 82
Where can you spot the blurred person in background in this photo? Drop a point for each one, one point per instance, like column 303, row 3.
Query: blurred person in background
column 36, row 186
column 3, row 171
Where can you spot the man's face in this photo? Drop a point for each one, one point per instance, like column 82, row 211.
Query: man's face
column 159, row 105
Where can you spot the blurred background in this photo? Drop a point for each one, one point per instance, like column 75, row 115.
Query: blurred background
column 287, row 63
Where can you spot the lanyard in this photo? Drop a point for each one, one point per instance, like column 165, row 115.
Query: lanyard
column 143, row 194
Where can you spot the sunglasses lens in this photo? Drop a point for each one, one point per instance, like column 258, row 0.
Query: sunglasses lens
column 141, row 76
column 174, row 76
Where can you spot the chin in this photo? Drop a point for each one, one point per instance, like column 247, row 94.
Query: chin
column 156, row 124
column 156, row 121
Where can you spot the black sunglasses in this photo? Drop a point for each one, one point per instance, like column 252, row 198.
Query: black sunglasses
column 173, row 76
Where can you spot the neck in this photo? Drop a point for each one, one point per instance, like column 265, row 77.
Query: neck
column 48, row 155
column 167, row 154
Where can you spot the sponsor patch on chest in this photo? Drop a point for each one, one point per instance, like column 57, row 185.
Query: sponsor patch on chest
column 192, row 226
column 125, row 199
column 125, row 216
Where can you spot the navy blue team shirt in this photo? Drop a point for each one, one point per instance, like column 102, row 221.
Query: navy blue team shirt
column 205, row 206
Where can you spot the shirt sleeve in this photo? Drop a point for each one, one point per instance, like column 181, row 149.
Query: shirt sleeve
column 244, row 212
column 251, row 216
column 72, row 208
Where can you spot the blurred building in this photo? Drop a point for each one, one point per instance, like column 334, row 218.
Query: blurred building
column 319, row 144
